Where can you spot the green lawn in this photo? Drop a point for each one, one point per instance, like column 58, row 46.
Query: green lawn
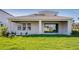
column 40, row 42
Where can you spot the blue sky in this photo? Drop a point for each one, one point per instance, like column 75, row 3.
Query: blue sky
column 62, row 12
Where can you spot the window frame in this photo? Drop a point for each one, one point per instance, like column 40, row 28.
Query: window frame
column 29, row 26
column 19, row 27
column 24, row 26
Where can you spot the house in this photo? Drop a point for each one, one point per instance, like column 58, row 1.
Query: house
column 4, row 18
column 44, row 22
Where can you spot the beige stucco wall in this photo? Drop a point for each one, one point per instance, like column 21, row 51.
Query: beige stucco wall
column 34, row 28
column 63, row 28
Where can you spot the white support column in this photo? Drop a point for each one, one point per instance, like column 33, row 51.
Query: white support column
column 10, row 26
column 40, row 27
column 69, row 27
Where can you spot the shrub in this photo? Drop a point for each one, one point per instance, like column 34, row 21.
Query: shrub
column 10, row 34
column 3, row 30
column 26, row 33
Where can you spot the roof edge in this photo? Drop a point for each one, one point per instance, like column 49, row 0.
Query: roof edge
column 6, row 12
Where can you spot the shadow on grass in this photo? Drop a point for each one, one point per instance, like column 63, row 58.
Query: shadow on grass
column 74, row 34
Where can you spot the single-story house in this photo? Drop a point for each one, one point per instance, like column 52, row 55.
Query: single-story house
column 43, row 22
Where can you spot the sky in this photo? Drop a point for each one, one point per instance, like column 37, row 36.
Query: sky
column 74, row 13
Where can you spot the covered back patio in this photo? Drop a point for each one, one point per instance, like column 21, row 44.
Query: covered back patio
column 41, row 27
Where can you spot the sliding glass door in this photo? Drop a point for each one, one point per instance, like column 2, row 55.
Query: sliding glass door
column 50, row 28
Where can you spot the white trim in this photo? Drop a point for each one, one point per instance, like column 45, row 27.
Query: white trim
column 69, row 27
column 40, row 27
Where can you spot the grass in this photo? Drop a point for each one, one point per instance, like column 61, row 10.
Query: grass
column 41, row 42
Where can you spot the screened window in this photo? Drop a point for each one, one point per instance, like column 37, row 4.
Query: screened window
column 29, row 26
column 19, row 27
column 24, row 26
column 50, row 28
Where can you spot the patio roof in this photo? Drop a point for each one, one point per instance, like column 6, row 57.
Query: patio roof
column 44, row 16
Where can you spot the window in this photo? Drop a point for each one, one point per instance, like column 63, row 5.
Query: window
column 24, row 26
column 50, row 28
column 29, row 26
column 19, row 27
